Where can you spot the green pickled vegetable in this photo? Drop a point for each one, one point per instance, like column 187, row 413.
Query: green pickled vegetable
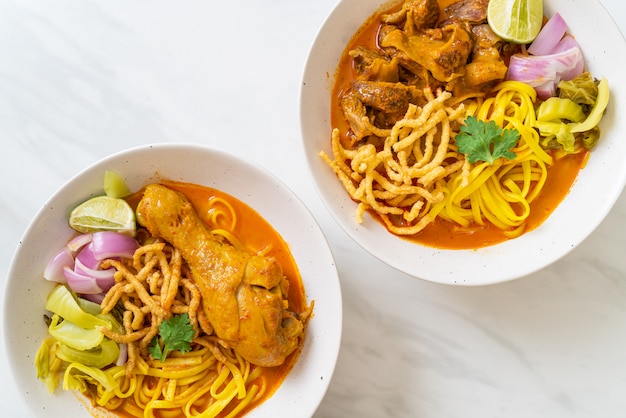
column 76, row 348
column 78, row 375
column 89, row 306
column 582, row 89
column 74, row 336
column 44, row 366
column 558, row 109
column 62, row 302
column 597, row 111
column 590, row 138
column 573, row 136
column 104, row 354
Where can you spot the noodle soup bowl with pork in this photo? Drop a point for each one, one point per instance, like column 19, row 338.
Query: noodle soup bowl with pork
column 262, row 203
column 342, row 90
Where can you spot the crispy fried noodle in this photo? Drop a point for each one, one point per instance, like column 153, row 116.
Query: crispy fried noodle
column 202, row 382
column 418, row 174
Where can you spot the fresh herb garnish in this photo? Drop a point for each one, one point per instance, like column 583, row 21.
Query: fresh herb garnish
column 175, row 333
column 485, row 141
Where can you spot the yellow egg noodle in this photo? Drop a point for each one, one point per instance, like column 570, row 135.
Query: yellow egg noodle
column 419, row 175
column 202, row 382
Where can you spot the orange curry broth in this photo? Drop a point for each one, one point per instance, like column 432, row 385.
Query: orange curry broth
column 252, row 229
column 441, row 233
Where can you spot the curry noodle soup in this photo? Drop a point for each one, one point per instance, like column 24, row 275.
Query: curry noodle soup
column 405, row 87
column 207, row 265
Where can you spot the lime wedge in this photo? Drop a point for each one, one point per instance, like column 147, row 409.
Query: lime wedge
column 517, row 21
column 103, row 213
column 114, row 185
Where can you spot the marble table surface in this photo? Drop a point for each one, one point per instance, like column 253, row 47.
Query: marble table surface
column 82, row 79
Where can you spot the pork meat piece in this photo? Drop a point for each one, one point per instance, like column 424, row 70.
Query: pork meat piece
column 387, row 97
column 473, row 11
column 374, row 65
column 354, row 111
column 422, row 14
column 443, row 51
column 487, row 65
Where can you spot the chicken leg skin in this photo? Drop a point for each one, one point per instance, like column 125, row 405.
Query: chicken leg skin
column 243, row 295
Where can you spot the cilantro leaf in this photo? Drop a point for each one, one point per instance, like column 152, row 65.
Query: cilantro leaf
column 175, row 333
column 155, row 349
column 485, row 141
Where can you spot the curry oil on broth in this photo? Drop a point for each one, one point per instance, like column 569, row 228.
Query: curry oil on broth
column 255, row 232
column 441, row 233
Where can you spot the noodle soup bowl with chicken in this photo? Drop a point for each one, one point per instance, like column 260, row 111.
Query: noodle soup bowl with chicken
column 280, row 241
column 391, row 94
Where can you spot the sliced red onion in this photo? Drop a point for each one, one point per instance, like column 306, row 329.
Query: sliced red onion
column 87, row 258
column 568, row 42
column 121, row 359
column 549, row 36
column 574, row 71
column 553, row 56
column 108, row 244
column 54, row 269
column 546, row 90
column 96, row 273
column 78, row 242
column 82, row 272
column 539, row 70
column 525, row 68
column 105, row 283
column 80, row 283
column 105, row 279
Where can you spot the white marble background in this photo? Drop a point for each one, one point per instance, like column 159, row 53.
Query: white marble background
column 82, row 79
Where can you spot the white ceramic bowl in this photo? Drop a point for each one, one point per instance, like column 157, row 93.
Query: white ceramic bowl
column 26, row 290
column 589, row 201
